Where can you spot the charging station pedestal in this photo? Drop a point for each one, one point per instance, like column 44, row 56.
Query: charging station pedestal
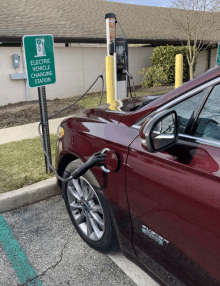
column 117, row 53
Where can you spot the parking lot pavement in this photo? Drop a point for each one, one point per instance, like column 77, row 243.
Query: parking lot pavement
column 39, row 246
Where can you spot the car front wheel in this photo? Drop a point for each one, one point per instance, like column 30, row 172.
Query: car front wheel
column 88, row 209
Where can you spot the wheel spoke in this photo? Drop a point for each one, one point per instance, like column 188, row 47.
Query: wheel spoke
column 73, row 192
column 80, row 218
column 97, row 232
column 83, row 186
column 75, row 206
column 96, row 208
column 89, row 225
column 98, row 219
column 78, row 188
column 90, row 195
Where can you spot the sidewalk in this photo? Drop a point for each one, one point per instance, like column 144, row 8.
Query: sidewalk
column 26, row 131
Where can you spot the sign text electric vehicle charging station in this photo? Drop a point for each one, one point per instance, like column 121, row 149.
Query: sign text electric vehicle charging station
column 39, row 55
column 40, row 64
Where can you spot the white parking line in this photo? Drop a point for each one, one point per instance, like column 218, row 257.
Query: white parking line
column 132, row 270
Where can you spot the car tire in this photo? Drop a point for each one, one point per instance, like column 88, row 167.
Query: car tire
column 88, row 209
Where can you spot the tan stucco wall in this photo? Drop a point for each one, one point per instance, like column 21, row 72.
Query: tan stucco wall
column 76, row 70
column 10, row 90
column 202, row 63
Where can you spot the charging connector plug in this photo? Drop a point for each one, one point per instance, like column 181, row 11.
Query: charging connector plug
column 97, row 159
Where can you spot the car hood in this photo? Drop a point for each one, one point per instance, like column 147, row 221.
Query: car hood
column 129, row 104
column 118, row 109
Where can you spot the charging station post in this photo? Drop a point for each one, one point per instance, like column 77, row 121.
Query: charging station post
column 40, row 64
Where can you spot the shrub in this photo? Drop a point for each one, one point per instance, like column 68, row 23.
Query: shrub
column 163, row 59
column 153, row 76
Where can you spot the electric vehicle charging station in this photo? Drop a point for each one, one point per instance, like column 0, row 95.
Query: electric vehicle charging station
column 117, row 75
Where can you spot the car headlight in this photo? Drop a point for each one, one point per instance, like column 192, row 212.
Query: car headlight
column 60, row 132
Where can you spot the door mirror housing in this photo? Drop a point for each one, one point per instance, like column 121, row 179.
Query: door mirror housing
column 160, row 131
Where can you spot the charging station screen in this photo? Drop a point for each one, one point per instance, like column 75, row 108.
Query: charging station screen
column 120, row 52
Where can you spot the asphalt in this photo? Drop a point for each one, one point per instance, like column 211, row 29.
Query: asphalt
column 39, row 244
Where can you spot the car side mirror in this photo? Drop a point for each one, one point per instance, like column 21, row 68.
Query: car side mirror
column 160, row 131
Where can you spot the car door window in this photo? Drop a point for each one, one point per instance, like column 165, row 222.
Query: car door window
column 185, row 110
column 208, row 122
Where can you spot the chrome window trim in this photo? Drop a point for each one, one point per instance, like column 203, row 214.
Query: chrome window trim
column 199, row 140
column 136, row 126
column 182, row 97
column 189, row 94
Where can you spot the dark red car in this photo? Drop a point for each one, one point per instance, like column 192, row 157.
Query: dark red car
column 162, row 194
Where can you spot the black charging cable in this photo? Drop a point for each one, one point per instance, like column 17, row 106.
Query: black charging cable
column 130, row 77
column 116, row 21
column 96, row 159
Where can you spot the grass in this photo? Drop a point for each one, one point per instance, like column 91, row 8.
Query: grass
column 90, row 100
column 22, row 163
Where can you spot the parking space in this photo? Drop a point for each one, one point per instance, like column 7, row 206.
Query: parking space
column 39, row 246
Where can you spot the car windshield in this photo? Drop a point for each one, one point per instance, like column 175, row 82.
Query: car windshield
column 144, row 103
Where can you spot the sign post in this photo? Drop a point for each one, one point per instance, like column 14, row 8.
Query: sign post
column 40, row 63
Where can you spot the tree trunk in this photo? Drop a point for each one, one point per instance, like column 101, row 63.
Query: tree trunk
column 191, row 71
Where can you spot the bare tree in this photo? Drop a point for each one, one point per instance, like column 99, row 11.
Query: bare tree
column 198, row 20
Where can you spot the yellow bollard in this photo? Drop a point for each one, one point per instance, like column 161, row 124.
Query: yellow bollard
column 179, row 70
column 109, row 68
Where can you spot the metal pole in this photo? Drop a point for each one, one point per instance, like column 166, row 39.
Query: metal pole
column 45, row 125
column 25, row 71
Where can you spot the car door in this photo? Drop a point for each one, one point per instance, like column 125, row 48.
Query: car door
column 174, row 195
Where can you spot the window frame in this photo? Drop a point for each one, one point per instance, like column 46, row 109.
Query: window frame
column 190, row 129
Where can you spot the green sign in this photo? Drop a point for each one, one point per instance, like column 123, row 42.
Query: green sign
column 218, row 55
column 39, row 55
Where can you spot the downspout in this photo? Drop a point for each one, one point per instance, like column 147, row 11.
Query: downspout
column 24, row 68
column 209, row 59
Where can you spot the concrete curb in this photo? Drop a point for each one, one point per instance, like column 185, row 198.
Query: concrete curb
column 28, row 195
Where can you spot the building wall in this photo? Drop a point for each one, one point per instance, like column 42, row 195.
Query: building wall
column 10, row 90
column 202, row 63
column 76, row 69
column 213, row 58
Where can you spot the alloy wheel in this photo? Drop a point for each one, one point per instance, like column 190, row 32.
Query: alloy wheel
column 86, row 208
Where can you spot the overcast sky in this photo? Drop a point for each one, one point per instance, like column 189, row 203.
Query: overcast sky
column 160, row 3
